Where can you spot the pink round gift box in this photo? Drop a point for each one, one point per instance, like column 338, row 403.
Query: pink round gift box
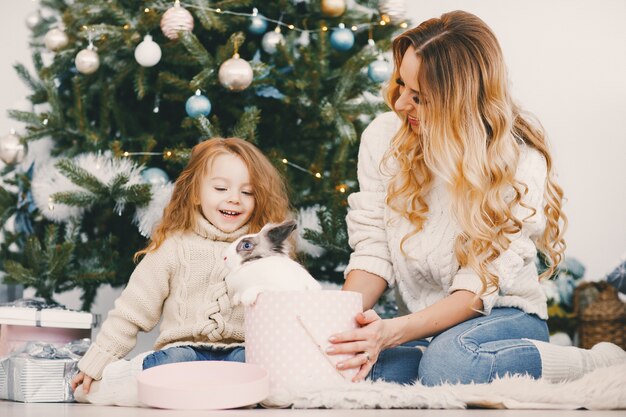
column 287, row 334
column 203, row 385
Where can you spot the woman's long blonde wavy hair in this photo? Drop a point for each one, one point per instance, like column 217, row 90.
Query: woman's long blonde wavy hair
column 271, row 200
column 469, row 134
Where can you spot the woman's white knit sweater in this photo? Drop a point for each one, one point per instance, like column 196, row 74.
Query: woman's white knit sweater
column 181, row 284
column 430, row 270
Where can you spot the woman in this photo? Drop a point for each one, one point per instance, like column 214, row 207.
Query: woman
column 456, row 196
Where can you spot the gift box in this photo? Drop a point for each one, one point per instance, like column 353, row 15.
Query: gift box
column 287, row 334
column 40, row 372
column 33, row 319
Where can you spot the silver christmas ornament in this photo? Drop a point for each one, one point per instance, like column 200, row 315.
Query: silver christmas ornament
column 379, row 70
column 333, row 8
column 33, row 19
column 395, row 10
column 235, row 74
column 87, row 61
column 55, row 39
column 12, row 150
column 148, row 52
column 176, row 19
column 155, row 176
column 271, row 40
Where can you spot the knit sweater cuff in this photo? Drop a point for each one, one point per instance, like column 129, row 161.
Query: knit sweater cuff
column 373, row 265
column 467, row 280
column 94, row 361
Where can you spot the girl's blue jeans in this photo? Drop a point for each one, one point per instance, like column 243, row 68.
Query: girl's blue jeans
column 477, row 350
column 193, row 353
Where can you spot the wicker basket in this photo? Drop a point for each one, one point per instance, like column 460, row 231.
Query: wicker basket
column 601, row 314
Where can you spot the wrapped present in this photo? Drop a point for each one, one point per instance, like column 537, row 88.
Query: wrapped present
column 41, row 372
column 287, row 334
column 33, row 319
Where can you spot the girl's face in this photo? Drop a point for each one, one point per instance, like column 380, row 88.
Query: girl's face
column 226, row 193
column 409, row 101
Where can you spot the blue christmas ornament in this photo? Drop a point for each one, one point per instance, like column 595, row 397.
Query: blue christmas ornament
column 342, row 39
column 155, row 176
column 379, row 71
column 258, row 24
column 198, row 105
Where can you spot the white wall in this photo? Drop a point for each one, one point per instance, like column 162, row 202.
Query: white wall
column 567, row 63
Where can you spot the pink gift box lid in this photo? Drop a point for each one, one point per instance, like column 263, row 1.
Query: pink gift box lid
column 203, row 385
column 53, row 317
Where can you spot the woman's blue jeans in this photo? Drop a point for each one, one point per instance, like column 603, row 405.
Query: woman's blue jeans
column 477, row 350
column 193, row 353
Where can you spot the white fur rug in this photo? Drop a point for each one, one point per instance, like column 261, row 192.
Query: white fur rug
column 603, row 389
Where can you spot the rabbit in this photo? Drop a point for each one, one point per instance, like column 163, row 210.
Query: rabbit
column 260, row 262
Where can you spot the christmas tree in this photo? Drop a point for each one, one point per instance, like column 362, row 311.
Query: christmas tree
column 123, row 89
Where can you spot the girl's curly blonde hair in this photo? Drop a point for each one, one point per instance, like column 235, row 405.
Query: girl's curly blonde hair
column 470, row 134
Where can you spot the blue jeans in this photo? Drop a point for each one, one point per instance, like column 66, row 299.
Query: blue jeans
column 193, row 353
column 477, row 350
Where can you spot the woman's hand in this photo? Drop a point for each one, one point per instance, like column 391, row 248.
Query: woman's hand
column 81, row 378
column 365, row 343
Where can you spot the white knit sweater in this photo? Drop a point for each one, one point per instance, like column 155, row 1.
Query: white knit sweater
column 182, row 284
column 430, row 270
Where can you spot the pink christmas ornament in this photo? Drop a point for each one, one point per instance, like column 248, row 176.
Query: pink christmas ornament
column 175, row 19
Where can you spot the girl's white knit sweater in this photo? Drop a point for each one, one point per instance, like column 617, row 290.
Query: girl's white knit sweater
column 430, row 271
column 180, row 284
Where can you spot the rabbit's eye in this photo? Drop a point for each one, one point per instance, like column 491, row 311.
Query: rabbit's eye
column 246, row 245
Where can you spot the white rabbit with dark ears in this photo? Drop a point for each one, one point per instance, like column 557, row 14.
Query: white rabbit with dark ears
column 260, row 262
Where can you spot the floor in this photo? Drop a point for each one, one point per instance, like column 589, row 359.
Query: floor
column 13, row 409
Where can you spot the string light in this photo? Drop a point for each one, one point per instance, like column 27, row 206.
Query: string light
column 384, row 18
column 126, row 153
column 298, row 167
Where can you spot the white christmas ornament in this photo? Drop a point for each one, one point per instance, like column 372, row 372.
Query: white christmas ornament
column 87, row 61
column 235, row 74
column 12, row 150
column 176, row 19
column 148, row 52
column 33, row 19
column 55, row 39
column 271, row 40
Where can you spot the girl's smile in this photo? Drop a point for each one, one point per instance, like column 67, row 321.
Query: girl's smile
column 226, row 197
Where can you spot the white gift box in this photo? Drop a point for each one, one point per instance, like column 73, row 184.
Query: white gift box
column 287, row 334
column 57, row 326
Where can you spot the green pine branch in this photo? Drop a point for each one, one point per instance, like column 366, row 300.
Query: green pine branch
column 246, row 127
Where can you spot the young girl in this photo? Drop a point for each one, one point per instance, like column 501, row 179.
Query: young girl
column 228, row 189
column 456, row 195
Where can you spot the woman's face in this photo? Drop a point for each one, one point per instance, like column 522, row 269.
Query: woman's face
column 409, row 101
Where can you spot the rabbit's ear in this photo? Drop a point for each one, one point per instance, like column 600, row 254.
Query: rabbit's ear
column 279, row 233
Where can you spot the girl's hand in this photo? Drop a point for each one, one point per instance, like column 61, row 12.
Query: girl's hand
column 366, row 343
column 79, row 378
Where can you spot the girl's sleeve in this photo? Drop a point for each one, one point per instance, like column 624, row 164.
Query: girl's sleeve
column 516, row 265
column 366, row 226
column 138, row 308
